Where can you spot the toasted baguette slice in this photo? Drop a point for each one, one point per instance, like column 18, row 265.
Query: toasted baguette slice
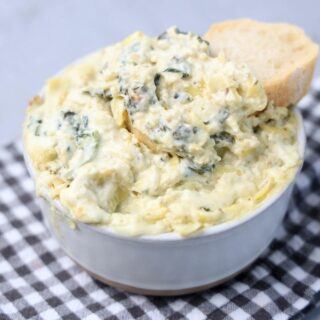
column 280, row 55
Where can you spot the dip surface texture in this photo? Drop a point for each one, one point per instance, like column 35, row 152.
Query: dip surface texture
column 154, row 135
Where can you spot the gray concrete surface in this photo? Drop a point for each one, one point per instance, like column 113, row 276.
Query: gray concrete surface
column 37, row 38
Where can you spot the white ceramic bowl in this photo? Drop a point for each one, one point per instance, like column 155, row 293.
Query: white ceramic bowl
column 168, row 264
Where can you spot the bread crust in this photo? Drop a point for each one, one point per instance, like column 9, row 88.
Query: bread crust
column 286, row 87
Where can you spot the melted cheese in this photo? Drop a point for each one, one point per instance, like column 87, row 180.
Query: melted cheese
column 153, row 135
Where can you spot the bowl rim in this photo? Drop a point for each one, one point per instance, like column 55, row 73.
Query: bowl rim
column 205, row 232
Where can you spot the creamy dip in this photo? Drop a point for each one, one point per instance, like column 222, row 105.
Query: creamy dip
column 154, row 135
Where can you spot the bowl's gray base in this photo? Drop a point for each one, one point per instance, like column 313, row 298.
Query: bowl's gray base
column 163, row 293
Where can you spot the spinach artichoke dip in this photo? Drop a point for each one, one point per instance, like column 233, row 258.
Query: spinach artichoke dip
column 154, row 135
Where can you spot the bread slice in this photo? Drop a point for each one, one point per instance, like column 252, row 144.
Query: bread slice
column 280, row 55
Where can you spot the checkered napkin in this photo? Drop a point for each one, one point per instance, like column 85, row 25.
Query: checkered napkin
column 38, row 281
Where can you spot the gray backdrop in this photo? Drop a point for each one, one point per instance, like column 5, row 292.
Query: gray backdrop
column 37, row 38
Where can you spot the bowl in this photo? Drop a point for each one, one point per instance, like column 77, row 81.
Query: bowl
column 168, row 264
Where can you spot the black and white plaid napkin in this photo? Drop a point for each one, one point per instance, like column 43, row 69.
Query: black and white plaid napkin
column 38, row 281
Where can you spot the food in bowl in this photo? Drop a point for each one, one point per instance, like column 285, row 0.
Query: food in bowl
column 155, row 135
column 165, row 138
